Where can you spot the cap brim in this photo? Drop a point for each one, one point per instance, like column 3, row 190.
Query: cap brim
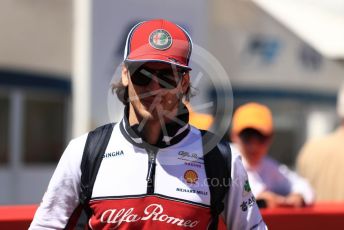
column 144, row 59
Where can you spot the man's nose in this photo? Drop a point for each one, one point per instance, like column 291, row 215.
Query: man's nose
column 154, row 84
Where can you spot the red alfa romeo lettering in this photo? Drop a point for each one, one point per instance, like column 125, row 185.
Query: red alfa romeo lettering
column 152, row 212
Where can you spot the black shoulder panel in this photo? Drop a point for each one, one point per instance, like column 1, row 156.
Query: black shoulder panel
column 217, row 162
column 96, row 143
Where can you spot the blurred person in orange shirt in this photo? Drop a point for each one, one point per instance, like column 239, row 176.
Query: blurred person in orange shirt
column 321, row 160
column 273, row 184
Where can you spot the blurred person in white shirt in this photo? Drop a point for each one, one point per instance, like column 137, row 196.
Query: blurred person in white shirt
column 272, row 183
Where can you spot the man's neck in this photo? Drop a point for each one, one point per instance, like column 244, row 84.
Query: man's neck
column 151, row 128
column 151, row 132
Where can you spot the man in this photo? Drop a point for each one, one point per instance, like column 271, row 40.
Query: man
column 273, row 184
column 321, row 160
column 153, row 172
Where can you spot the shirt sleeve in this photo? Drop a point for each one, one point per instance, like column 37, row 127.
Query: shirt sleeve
column 256, row 183
column 298, row 184
column 241, row 211
column 62, row 195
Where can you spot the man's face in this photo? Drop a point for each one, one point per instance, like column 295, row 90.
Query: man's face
column 253, row 145
column 155, row 89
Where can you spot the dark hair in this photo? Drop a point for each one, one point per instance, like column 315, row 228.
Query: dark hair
column 121, row 91
column 249, row 134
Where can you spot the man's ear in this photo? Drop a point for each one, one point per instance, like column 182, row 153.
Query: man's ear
column 125, row 75
column 185, row 83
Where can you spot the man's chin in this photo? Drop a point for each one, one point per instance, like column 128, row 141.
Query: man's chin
column 148, row 116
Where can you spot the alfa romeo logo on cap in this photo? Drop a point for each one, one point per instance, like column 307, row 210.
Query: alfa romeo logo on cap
column 160, row 39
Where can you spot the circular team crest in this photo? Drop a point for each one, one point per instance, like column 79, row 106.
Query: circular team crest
column 160, row 39
column 190, row 177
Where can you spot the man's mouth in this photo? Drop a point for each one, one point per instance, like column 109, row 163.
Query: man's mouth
column 147, row 101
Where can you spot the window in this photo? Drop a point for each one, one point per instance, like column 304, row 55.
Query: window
column 4, row 115
column 45, row 130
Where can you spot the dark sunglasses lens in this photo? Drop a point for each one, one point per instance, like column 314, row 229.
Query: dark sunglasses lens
column 168, row 80
column 141, row 77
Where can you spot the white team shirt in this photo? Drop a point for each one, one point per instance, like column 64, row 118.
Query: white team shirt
column 181, row 198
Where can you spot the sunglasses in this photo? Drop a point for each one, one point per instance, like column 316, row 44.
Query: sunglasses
column 167, row 78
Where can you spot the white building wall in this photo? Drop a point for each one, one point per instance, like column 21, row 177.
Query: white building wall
column 36, row 35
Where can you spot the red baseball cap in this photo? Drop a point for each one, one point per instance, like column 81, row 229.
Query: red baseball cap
column 158, row 40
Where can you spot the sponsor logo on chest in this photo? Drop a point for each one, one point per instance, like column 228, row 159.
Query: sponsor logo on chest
column 190, row 176
column 113, row 154
column 192, row 164
column 190, row 157
column 154, row 212
column 198, row 192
